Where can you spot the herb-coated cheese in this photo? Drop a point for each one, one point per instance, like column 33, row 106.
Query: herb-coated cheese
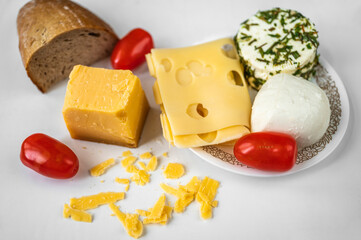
column 277, row 41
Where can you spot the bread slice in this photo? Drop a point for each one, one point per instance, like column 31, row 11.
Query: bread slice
column 55, row 35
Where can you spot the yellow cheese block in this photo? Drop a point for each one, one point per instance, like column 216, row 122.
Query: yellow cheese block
column 105, row 105
column 202, row 93
column 100, row 169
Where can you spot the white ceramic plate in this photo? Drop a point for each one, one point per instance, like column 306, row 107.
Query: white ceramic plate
column 330, row 82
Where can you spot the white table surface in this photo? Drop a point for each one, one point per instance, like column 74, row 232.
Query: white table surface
column 323, row 202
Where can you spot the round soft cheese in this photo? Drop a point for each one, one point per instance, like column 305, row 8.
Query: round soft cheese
column 277, row 41
column 291, row 105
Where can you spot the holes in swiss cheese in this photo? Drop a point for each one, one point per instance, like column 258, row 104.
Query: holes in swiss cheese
column 199, row 69
column 167, row 65
column 229, row 51
column 195, row 67
column 235, row 78
column 208, row 137
column 197, row 111
column 184, row 77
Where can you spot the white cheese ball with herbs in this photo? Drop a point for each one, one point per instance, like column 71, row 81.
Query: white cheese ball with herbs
column 294, row 106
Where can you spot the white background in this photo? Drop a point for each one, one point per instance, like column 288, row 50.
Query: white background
column 323, row 202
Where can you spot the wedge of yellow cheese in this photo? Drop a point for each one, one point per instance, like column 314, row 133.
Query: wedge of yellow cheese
column 202, row 93
column 105, row 105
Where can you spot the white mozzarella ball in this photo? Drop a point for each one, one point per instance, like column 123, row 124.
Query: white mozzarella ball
column 294, row 106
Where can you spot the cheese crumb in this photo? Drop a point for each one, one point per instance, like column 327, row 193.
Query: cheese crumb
column 145, row 155
column 76, row 215
column 131, row 169
column 165, row 154
column 127, row 153
column 93, row 201
column 205, row 195
column 128, row 161
column 123, row 181
column 185, row 194
column 152, row 164
column 143, row 213
column 100, row 169
column 142, row 165
column 141, row 177
column 131, row 222
column 173, row 171
column 159, row 213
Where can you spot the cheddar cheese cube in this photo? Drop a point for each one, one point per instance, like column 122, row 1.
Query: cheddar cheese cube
column 104, row 105
column 202, row 93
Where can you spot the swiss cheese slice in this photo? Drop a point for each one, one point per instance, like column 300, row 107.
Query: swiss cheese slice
column 202, row 93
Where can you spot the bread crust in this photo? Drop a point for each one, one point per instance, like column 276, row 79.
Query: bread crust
column 39, row 22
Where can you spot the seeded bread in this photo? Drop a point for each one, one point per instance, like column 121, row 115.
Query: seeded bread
column 55, row 35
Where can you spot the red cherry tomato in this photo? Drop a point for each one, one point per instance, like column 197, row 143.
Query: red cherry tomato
column 130, row 51
column 49, row 157
column 268, row 151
